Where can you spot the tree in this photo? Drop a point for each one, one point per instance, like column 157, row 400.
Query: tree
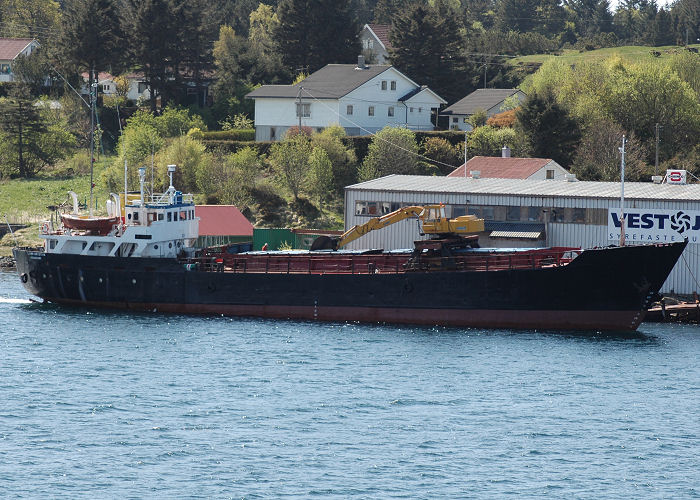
column 153, row 35
column 266, row 60
column 320, row 179
column 32, row 70
column 446, row 156
column 550, row 131
column 91, row 36
column 488, row 141
column 30, row 143
column 392, row 151
column 427, row 47
column 343, row 159
column 313, row 33
column 38, row 19
column 290, row 159
column 598, row 157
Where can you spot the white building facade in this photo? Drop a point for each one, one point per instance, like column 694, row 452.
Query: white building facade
column 362, row 99
column 540, row 213
column 10, row 50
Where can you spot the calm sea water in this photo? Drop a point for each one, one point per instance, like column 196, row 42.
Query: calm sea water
column 115, row 405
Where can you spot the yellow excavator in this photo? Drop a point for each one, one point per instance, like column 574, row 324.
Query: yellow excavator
column 432, row 219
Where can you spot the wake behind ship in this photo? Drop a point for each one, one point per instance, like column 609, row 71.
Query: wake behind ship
column 146, row 261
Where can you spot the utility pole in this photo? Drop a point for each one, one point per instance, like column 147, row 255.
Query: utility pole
column 656, row 161
column 465, row 152
column 485, row 66
column 622, row 194
column 299, row 106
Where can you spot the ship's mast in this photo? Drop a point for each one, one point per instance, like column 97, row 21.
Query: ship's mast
column 93, row 91
column 622, row 194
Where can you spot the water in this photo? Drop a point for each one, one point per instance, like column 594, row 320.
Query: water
column 116, row 405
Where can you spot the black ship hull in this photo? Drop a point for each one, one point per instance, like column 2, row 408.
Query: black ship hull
column 601, row 289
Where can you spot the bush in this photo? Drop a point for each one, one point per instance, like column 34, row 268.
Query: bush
column 225, row 147
column 230, row 135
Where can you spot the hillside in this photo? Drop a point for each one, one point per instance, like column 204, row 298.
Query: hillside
column 629, row 53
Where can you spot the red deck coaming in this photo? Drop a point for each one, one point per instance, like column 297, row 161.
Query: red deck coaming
column 551, row 320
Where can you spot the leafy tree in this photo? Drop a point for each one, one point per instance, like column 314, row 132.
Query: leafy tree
column 191, row 159
column 266, row 60
column 540, row 16
column 137, row 143
column 91, row 36
column 478, row 118
column 488, row 141
column 446, row 156
column 32, row 70
column 343, row 159
column 598, row 158
column 290, row 159
column 313, row 33
column 30, row 143
column 427, row 46
column 320, row 179
column 392, row 151
column 687, row 66
column 550, row 131
column 38, row 19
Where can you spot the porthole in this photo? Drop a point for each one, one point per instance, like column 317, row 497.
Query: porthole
column 133, row 281
column 155, row 247
column 100, row 280
column 170, row 245
column 179, row 244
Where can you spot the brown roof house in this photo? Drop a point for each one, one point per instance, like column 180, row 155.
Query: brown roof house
column 375, row 43
column 489, row 100
column 505, row 167
column 10, row 49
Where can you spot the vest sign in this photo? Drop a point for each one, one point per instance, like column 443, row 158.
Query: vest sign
column 655, row 226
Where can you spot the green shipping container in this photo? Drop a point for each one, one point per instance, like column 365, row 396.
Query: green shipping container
column 274, row 237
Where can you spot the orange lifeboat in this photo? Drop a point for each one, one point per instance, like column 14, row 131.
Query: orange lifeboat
column 100, row 226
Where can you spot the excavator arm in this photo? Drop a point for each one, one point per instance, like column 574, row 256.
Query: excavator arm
column 431, row 216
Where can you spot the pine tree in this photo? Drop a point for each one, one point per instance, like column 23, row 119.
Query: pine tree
column 313, row 33
column 22, row 123
column 427, row 47
column 92, row 37
column 551, row 132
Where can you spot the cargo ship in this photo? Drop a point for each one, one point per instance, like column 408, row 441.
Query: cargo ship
column 147, row 261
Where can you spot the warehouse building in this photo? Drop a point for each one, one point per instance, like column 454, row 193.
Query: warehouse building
column 537, row 213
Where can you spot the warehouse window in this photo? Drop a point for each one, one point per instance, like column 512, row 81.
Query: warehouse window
column 534, row 214
column 513, row 213
column 366, row 208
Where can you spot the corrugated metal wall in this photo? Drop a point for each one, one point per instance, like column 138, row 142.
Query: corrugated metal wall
column 684, row 279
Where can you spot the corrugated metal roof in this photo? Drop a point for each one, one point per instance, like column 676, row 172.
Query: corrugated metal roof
column 520, row 227
column 527, row 187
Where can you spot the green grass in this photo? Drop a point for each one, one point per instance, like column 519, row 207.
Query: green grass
column 631, row 53
column 26, row 201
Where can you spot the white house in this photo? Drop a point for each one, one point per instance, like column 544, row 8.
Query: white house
column 375, row 43
column 137, row 85
column 489, row 100
column 362, row 98
column 10, row 49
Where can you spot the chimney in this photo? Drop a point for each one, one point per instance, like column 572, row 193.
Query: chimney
column 505, row 152
column 361, row 62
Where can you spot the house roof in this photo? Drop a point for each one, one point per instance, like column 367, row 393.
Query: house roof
column 222, row 220
column 333, row 81
column 381, row 32
column 479, row 99
column 501, row 168
column 101, row 76
column 11, row 47
column 419, row 90
column 529, row 187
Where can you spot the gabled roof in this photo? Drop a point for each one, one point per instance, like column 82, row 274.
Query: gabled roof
column 479, row 99
column 423, row 88
column 222, row 220
column 381, row 33
column 12, row 47
column 333, row 81
column 496, row 167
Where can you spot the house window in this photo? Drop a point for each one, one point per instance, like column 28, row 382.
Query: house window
column 305, row 109
column 455, row 120
column 370, row 111
column 411, row 110
column 142, row 87
column 420, row 110
column 5, row 69
column 383, row 84
column 348, row 110
column 550, row 173
column 105, row 88
column 393, row 85
column 390, row 111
